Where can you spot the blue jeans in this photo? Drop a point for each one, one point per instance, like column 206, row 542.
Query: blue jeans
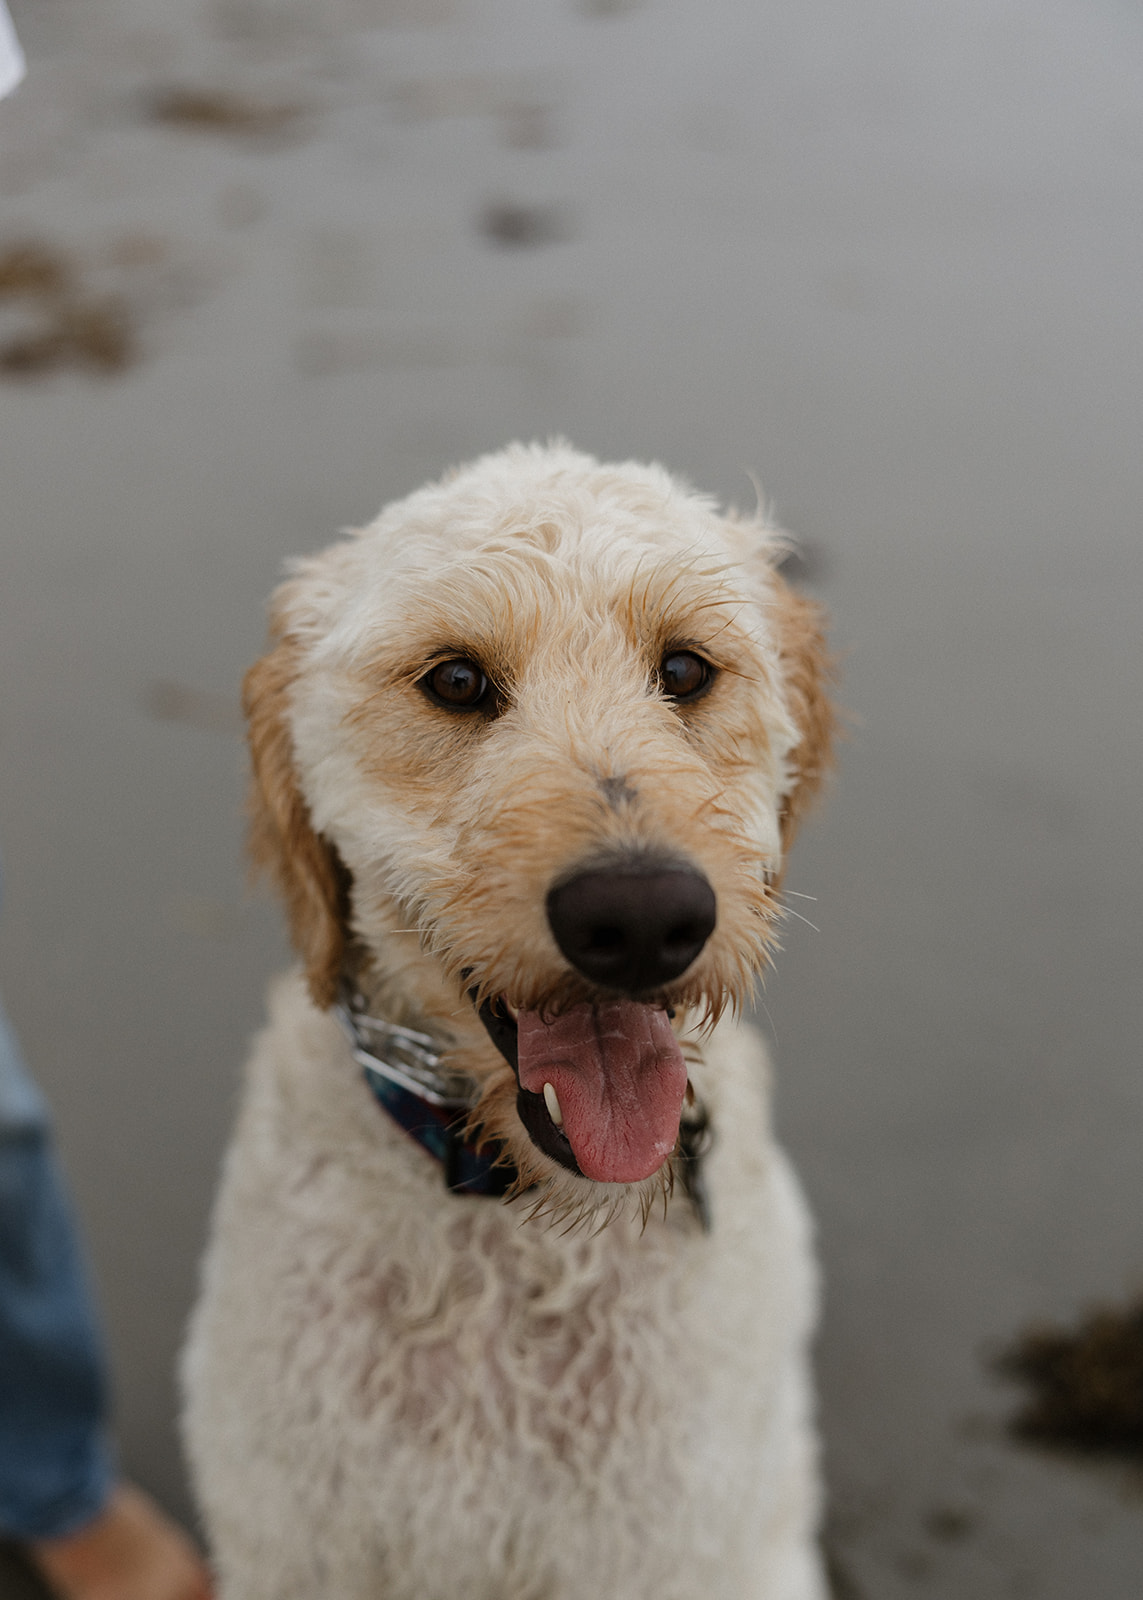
column 55, row 1461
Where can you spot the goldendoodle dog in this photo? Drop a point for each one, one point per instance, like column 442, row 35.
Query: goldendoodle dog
column 509, row 1290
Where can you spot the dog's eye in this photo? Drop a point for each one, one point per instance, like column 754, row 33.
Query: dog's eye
column 460, row 685
column 684, row 675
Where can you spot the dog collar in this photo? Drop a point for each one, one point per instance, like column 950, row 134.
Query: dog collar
column 430, row 1101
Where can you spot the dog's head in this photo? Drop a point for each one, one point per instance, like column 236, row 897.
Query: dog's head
column 531, row 749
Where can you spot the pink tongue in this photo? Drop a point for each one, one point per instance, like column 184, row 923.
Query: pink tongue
column 620, row 1078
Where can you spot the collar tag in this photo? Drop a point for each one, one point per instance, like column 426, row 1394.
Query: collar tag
column 431, row 1102
column 409, row 1059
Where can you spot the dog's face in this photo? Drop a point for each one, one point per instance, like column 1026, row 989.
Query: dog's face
column 530, row 749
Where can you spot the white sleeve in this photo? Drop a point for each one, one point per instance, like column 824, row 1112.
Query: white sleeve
column 11, row 56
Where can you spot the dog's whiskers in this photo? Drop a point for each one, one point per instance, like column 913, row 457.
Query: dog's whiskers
column 788, row 911
column 759, row 1000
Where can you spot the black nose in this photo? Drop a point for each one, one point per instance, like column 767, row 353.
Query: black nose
column 632, row 928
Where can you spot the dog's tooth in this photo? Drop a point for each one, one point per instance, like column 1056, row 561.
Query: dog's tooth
column 553, row 1105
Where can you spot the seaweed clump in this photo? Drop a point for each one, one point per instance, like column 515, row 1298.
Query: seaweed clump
column 1086, row 1383
column 64, row 325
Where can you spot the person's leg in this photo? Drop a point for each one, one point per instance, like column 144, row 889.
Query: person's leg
column 55, row 1465
column 93, row 1538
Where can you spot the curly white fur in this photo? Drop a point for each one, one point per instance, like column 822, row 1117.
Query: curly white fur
column 395, row 1393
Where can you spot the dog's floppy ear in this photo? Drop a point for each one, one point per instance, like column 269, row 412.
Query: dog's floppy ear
column 312, row 878
column 798, row 629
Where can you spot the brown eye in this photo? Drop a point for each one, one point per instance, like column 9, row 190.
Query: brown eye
column 460, row 685
column 684, row 675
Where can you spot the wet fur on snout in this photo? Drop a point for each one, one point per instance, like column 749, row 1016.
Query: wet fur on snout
column 415, row 846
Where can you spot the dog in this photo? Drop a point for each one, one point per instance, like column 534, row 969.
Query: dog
column 509, row 1288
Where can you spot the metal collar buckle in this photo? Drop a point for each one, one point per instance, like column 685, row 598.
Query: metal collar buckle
column 405, row 1057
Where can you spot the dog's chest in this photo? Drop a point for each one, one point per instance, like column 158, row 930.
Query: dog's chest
column 466, row 1324
column 387, row 1357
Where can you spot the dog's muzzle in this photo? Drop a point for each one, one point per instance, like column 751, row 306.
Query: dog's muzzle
column 600, row 1086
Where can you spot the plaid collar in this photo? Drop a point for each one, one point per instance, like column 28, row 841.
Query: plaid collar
column 430, row 1101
